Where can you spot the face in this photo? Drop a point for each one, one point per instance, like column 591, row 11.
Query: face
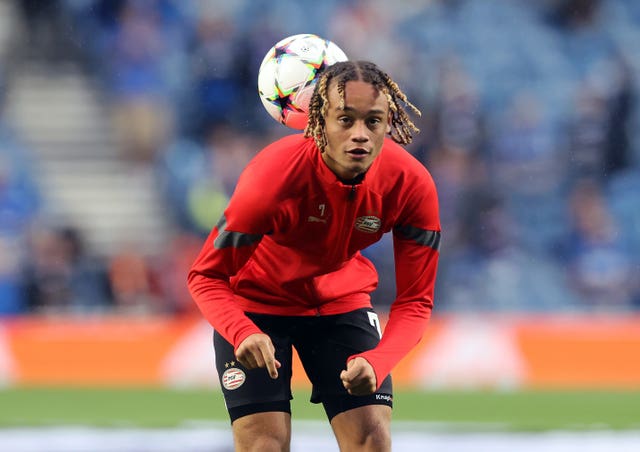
column 355, row 134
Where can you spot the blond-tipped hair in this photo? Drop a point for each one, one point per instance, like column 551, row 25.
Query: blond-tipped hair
column 402, row 127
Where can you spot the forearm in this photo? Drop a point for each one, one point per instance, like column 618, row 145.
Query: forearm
column 405, row 327
column 214, row 298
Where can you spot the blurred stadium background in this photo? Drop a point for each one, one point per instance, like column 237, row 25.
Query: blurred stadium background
column 124, row 125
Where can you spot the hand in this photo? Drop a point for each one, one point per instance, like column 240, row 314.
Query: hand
column 359, row 378
column 257, row 350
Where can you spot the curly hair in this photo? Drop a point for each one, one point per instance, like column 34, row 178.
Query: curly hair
column 402, row 127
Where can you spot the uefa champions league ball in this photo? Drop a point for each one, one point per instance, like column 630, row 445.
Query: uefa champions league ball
column 289, row 73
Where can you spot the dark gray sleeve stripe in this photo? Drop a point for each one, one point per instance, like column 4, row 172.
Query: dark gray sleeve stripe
column 422, row 236
column 227, row 239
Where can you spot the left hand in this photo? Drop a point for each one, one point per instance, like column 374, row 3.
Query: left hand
column 359, row 377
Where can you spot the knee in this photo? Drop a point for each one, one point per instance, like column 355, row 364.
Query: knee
column 366, row 428
column 262, row 432
column 263, row 441
column 369, row 437
column 269, row 443
column 375, row 437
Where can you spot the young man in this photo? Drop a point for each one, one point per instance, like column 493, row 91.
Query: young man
column 283, row 267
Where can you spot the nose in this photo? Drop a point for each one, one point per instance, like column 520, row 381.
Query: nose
column 359, row 132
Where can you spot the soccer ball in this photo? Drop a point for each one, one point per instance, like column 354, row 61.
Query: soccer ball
column 289, row 73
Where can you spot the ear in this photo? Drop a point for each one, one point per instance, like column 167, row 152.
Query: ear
column 389, row 122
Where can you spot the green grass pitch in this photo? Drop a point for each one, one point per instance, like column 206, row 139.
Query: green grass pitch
column 147, row 407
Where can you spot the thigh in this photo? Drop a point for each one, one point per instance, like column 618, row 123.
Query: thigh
column 324, row 347
column 247, row 391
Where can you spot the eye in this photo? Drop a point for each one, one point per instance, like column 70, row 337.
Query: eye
column 345, row 120
column 374, row 121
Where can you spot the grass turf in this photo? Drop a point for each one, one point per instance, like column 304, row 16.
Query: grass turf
column 147, row 407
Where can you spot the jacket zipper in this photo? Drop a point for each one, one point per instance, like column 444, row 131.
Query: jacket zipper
column 347, row 222
column 344, row 227
column 352, row 193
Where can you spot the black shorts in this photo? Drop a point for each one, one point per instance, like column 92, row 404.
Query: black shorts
column 323, row 344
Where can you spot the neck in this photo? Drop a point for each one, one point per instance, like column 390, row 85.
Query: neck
column 353, row 180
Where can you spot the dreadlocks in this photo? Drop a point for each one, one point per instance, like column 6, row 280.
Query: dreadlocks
column 402, row 127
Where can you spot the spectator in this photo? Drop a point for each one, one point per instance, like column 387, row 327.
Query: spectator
column 12, row 299
column 179, row 165
column 43, row 25
column 19, row 193
column 19, row 205
column 527, row 164
column 588, row 134
column 601, row 268
column 459, row 122
column 598, row 131
column 142, row 111
column 133, row 283
column 60, row 276
column 524, row 154
column 199, row 180
column 174, row 263
column 495, row 271
column 459, row 173
column 218, row 75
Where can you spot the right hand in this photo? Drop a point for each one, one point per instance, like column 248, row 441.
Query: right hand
column 359, row 378
column 257, row 350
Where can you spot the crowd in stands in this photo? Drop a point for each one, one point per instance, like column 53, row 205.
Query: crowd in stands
column 529, row 128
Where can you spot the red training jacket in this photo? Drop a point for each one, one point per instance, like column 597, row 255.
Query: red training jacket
column 289, row 244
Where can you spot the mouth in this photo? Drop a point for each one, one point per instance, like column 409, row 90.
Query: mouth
column 358, row 153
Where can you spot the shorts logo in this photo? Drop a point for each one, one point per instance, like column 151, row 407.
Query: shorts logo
column 385, row 397
column 368, row 224
column 233, row 378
